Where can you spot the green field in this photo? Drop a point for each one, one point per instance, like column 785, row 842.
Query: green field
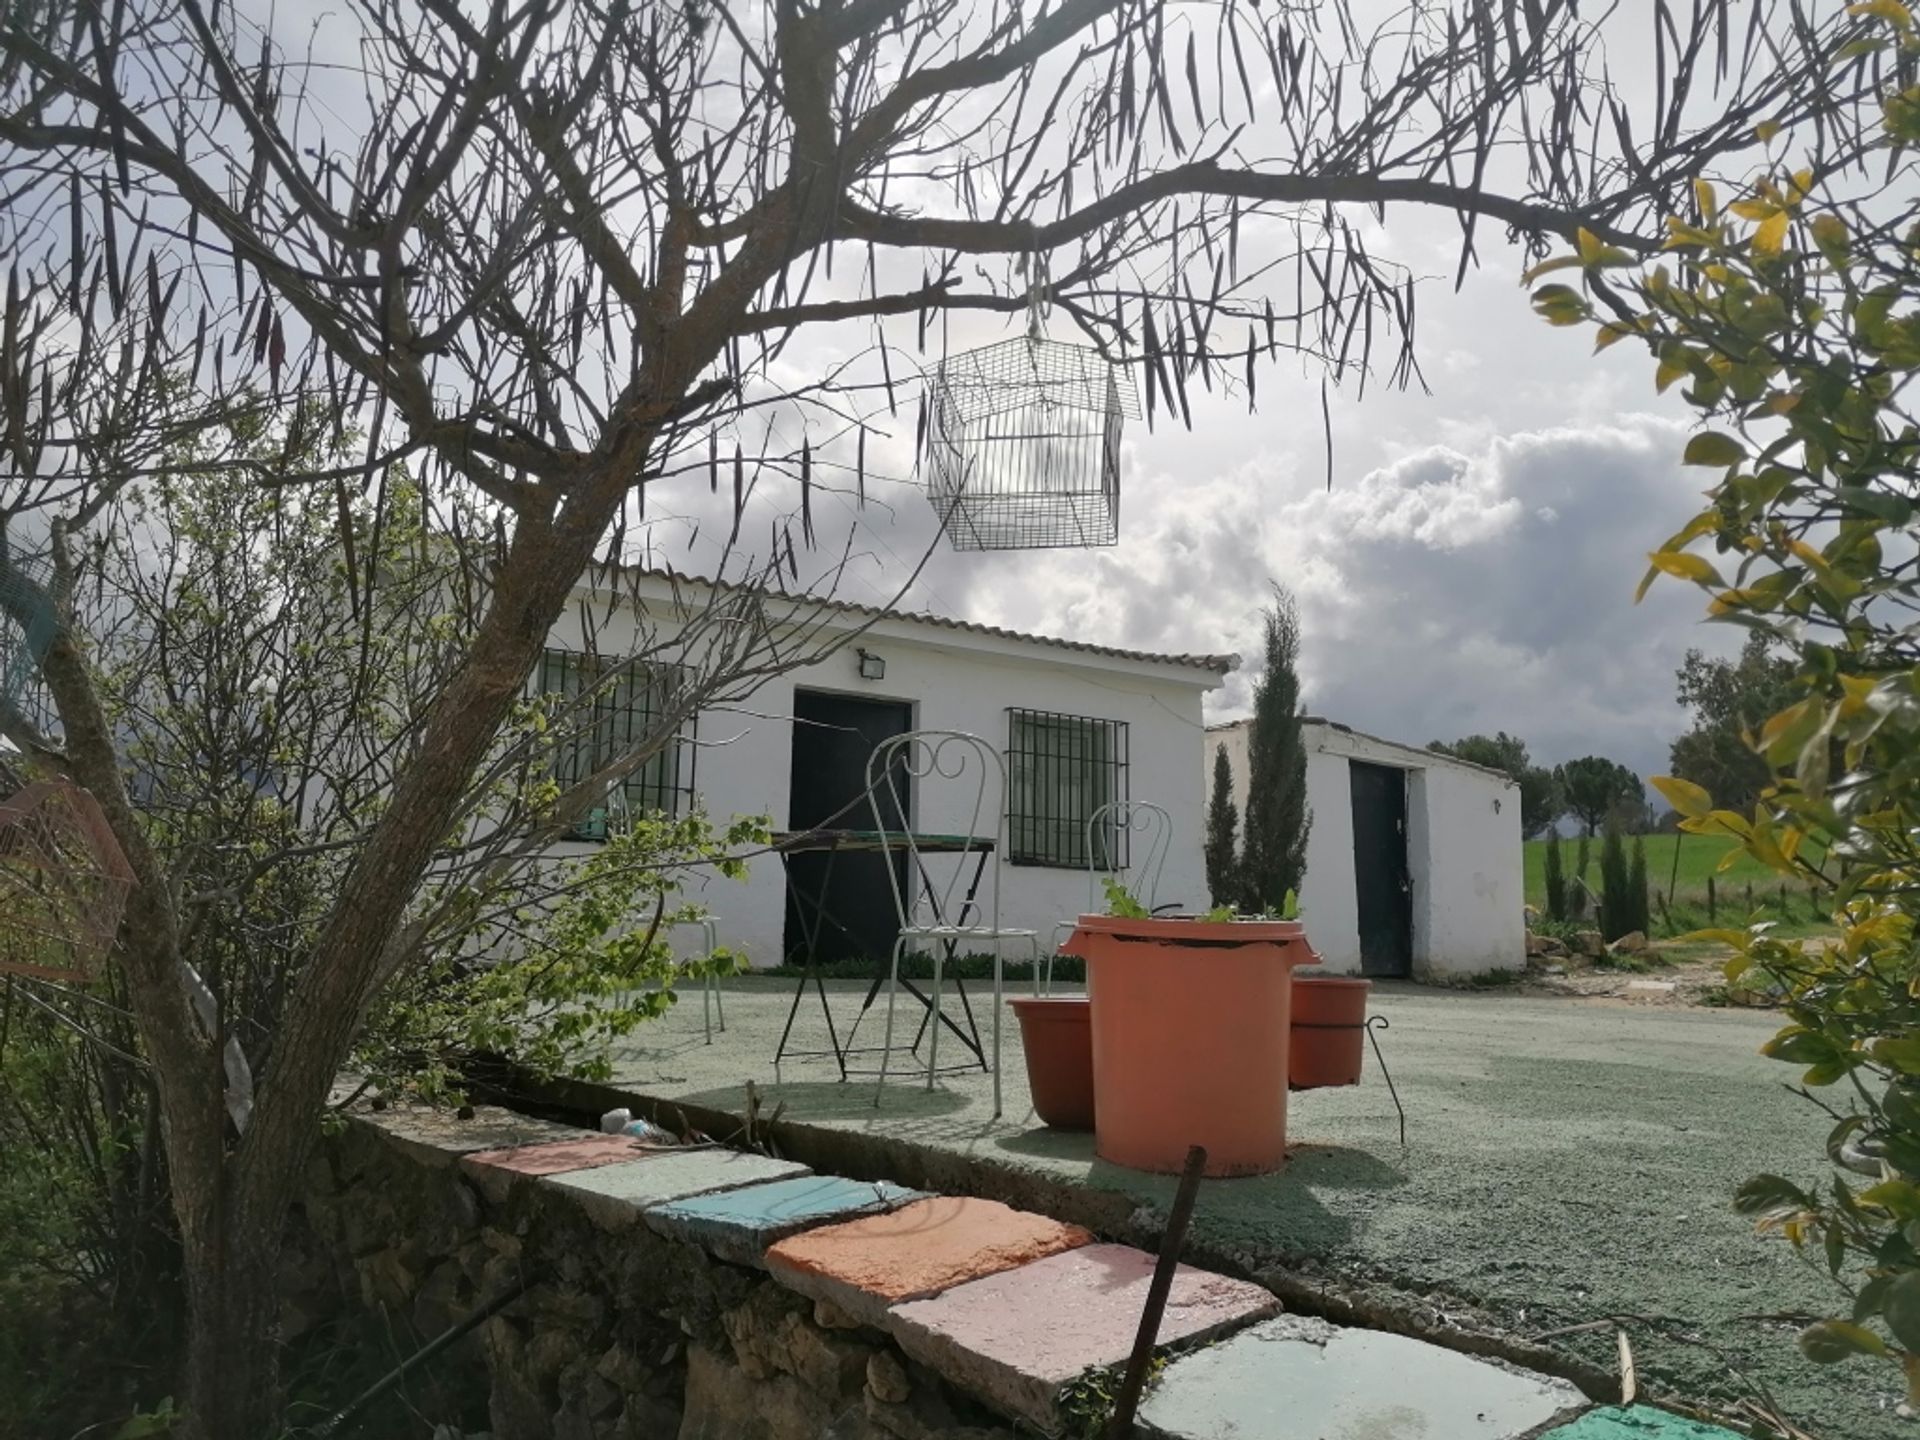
column 1746, row 882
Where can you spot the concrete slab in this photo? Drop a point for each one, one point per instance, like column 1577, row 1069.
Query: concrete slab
column 1641, row 1422
column 1292, row 1376
column 614, row 1195
column 1017, row 1337
column 739, row 1225
column 864, row 1266
column 1611, row 1132
column 494, row 1171
column 436, row 1136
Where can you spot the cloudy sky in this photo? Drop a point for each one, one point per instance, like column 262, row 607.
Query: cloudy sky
column 1472, row 567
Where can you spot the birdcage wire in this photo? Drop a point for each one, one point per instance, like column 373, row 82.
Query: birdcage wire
column 64, row 882
column 1023, row 445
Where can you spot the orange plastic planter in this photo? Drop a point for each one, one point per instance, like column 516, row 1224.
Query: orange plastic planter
column 1329, row 1025
column 1190, row 1034
column 1058, row 1039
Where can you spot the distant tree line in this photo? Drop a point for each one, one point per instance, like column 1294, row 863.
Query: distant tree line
column 1729, row 699
column 1594, row 790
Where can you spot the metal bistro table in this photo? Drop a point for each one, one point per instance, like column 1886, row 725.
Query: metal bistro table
column 814, row 917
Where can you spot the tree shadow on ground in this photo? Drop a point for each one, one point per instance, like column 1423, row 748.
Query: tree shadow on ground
column 1278, row 1215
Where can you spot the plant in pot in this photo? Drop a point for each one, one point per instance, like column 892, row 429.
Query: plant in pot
column 1190, row 1033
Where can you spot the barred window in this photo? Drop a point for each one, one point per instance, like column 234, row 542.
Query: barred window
column 1060, row 769
column 630, row 698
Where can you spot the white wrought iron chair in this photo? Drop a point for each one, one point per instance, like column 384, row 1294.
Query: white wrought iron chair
column 710, row 1001
column 1139, row 830
column 940, row 913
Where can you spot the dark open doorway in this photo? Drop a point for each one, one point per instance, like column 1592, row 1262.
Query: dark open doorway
column 833, row 736
column 1383, row 888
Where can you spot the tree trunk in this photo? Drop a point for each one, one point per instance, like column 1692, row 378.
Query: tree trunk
column 233, row 1349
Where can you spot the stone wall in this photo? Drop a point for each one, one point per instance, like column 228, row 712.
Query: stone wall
column 621, row 1332
column 697, row 1292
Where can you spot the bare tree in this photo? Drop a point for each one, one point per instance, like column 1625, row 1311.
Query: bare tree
column 548, row 256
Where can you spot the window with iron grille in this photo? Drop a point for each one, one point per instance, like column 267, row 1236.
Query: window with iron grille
column 629, row 700
column 1060, row 769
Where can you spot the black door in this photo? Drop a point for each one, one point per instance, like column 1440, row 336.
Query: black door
column 833, row 735
column 1381, row 884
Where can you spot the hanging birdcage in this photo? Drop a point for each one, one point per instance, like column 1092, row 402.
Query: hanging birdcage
column 64, row 882
column 1023, row 446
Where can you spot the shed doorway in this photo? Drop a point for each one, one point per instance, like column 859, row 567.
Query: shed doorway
column 833, row 736
column 1383, row 886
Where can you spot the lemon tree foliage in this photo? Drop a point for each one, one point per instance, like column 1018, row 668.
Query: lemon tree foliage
column 1788, row 316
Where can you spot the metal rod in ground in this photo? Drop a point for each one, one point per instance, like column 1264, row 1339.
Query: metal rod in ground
column 1171, row 1244
column 425, row 1353
column 1380, row 1022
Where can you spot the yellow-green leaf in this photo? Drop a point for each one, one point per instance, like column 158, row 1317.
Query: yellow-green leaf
column 1685, row 796
column 1901, row 1197
column 1595, row 251
column 1547, row 267
column 1713, row 448
column 1702, row 524
column 1771, row 234
column 1891, row 10
column 1763, row 132
column 1827, row 1342
column 1686, row 567
column 1730, row 822
column 1611, row 333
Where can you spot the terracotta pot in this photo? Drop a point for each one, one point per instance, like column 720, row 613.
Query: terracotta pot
column 1058, row 1037
column 1329, row 1031
column 1190, row 1031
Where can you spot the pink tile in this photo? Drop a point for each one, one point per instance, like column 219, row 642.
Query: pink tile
column 557, row 1157
column 1017, row 1337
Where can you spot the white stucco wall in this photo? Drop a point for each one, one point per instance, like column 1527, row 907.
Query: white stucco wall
column 1463, row 851
column 955, row 680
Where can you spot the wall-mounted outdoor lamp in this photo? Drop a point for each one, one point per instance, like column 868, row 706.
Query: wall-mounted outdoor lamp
column 872, row 667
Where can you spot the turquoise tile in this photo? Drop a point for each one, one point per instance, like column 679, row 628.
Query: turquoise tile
column 739, row 1225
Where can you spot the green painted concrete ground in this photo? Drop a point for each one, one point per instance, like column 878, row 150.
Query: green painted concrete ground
column 1567, row 1161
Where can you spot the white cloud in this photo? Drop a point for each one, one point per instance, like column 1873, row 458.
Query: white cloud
column 1447, row 591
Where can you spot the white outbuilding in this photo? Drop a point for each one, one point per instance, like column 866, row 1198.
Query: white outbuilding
column 1413, row 859
column 1076, row 724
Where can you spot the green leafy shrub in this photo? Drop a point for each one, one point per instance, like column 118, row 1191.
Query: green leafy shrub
column 1790, row 321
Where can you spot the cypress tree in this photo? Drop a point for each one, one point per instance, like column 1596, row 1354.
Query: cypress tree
column 1616, row 901
column 1556, row 880
column 1274, row 860
column 1223, row 817
column 1579, row 892
column 1637, row 888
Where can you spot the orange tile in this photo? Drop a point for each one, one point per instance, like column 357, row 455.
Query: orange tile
column 918, row 1250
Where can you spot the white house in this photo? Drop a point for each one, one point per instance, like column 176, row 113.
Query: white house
column 1078, row 724
column 1413, row 859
